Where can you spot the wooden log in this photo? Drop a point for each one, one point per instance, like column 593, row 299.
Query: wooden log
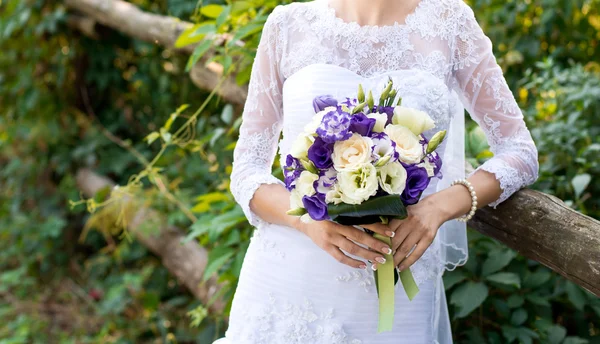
column 186, row 261
column 541, row 227
column 161, row 30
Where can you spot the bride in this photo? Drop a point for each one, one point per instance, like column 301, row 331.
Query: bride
column 311, row 283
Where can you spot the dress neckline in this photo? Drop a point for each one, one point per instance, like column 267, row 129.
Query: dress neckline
column 342, row 23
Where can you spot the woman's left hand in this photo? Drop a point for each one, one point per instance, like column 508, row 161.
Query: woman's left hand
column 418, row 228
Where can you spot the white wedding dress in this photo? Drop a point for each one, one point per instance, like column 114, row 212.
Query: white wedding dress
column 290, row 290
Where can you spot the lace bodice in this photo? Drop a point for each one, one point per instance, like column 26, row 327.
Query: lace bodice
column 440, row 47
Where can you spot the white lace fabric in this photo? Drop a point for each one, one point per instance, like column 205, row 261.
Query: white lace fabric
column 442, row 63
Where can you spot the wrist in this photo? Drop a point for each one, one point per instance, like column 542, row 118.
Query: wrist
column 451, row 202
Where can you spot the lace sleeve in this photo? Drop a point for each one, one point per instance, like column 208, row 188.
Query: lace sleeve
column 486, row 96
column 261, row 120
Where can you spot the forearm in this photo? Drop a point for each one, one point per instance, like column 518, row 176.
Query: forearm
column 455, row 201
column 271, row 202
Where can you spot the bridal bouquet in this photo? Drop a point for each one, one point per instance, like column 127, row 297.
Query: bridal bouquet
column 360, row 163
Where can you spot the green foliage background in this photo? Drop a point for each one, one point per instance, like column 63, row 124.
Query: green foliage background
column 68, row 101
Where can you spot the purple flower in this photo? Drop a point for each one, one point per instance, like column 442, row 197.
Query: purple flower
column 320, row 153
column 435, row 159
column 362, row 124
column 321, row 102
column 316, row 207
column 417, row 180
column 335, row 126
column 350, row 102
column 383, row 146
column 291, row 171
column 326, row 180
column 388, row 110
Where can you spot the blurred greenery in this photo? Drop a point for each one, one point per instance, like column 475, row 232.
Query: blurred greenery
column 114, row 103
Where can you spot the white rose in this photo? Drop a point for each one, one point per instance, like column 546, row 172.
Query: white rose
column 334, row 195
column 358, row 185
column 296, row 199
column 407, row 143
column 301, row 145
column 392, row 178
column 311, row 127
column 351, row 153
column 304, row 183
column 415, row 120
column 380, row 121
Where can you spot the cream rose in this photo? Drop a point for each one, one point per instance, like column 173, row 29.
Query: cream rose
column 358, row 185
column 380, row 121
column 415, row 120
column 301, row 145
column 407, row 143
column 304, row 183
column 351, row 153
column 392, row 178
column 334, row 195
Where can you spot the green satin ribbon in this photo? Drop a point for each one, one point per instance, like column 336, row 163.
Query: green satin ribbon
column 385, row 280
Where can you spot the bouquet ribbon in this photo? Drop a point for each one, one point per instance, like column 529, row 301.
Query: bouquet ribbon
column 385, row 280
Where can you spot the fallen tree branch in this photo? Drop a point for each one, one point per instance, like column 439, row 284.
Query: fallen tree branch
column 186, row 261
column 161, row 30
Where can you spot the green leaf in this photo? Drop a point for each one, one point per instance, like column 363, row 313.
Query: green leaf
column 537, row 278
column 576, row 295
column 515, row 301
column 389, row 205
column 152, row 137
column 507, row 278
column 246, row 31
column 217, row 257
column 200, row 50
column 468, row 297
column 497, row 260
column 211, row 11
column 223, row 16
column 580, row 182
column 452, row 278
column 518, row 317
column 194, row 34
column 556, row 334
column 227, row 114
column 537, row 300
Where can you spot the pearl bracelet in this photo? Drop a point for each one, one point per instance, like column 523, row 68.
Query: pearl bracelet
column 467, row 184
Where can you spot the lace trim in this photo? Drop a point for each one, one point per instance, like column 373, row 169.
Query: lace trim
column 511, row 180
column 280, row 321
column 252, row 167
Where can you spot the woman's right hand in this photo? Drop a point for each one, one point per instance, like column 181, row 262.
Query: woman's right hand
column 333, row 237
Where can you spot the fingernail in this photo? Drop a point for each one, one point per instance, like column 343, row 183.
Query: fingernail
column 387, row 250
column 363, row 266
column 401, row 268
column 374, row 267
column 380, row 259
column 390, row 234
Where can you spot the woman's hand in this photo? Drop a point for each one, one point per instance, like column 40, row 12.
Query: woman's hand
column 418, row 228
column 333, row 237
